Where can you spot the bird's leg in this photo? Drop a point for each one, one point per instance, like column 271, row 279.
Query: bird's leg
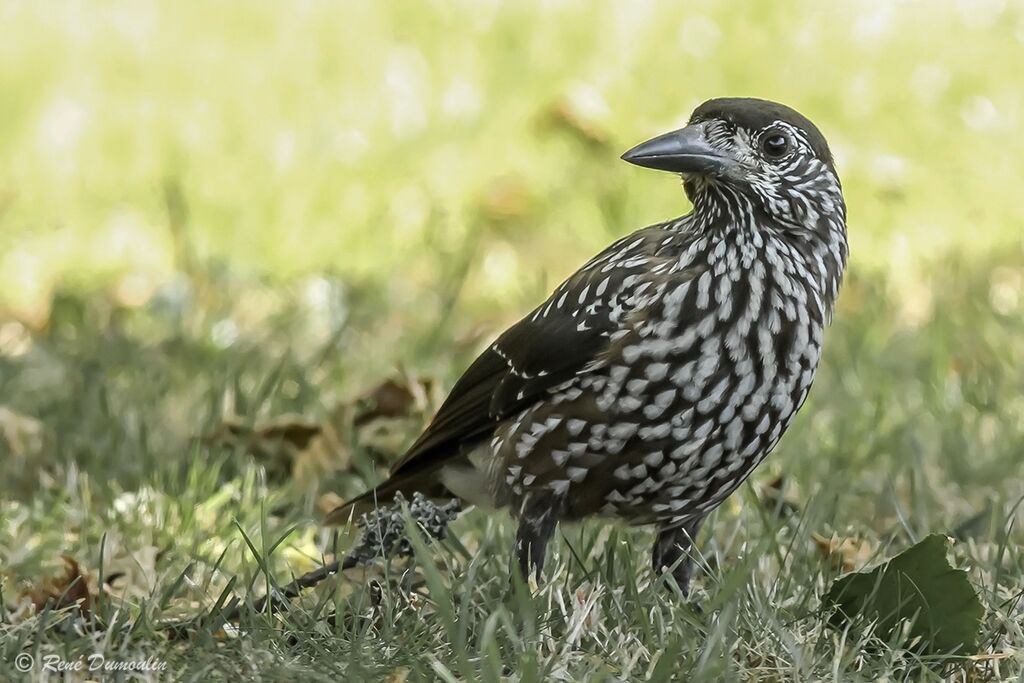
column 672, row 550
column 537, row 523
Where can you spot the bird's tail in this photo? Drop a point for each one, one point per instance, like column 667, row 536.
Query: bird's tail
column 384, row 494
column 454, row 479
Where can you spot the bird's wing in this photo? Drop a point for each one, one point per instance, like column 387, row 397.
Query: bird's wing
column 542, row 351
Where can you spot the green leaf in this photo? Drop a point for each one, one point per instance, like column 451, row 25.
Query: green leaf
column 919, row 586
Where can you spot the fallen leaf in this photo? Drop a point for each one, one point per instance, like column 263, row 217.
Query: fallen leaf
column 60, row 592
column 381, row 421
column 293, row 430
column 843, row 553
column 326, row 452
column 288, row 446
column 392, row 398
column 918, row 586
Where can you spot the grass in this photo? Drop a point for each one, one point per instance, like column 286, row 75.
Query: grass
column 913, row 427
column 197, row 245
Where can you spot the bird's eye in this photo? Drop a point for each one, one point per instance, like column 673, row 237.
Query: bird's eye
column 775, row 145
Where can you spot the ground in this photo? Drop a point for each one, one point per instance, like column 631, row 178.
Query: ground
column 911, row 429
column 214, row 260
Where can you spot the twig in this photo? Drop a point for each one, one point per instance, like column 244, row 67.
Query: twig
column 383, row 536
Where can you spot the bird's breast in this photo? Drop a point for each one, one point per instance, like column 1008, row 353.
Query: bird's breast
column 691, row 398
column 691, row 414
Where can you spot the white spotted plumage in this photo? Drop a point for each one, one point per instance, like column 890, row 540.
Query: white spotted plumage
column 716, row 328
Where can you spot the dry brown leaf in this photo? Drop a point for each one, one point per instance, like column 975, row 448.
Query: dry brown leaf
column 392, row 398
column 288, row 446
column 59, row 592
column 293, row 430
column 325, row 453
column 380, row 420
column 844, row 553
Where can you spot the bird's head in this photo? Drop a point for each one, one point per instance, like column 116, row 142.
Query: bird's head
column 748, row 155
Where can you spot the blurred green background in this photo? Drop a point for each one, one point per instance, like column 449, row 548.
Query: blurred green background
column 391, row 143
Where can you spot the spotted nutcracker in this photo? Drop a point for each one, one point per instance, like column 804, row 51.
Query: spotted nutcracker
column 658, row 376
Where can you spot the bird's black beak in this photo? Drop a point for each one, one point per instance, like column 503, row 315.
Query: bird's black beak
column 682, row 151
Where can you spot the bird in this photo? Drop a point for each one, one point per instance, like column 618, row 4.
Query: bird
column 654, row 379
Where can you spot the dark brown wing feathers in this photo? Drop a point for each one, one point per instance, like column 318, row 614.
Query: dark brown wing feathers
column 540, row 352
